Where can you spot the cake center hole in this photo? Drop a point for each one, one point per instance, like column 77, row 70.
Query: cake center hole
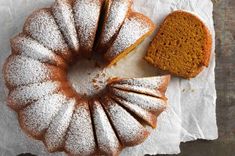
column 87, row 78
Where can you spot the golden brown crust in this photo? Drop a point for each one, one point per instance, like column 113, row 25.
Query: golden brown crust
column 59, row 74
column 170, row 50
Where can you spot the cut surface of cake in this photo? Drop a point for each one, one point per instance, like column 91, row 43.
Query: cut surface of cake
column 134, row 30
column 182, row 45
column 116, row 12
column 107, row 140
column 129, row 130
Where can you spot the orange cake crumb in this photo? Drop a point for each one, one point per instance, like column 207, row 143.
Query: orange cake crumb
column 182, row 45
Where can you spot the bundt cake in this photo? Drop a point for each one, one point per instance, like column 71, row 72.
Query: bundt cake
column 182, row 46
column 50, row 110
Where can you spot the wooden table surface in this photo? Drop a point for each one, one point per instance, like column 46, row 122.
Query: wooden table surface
column 224, row 18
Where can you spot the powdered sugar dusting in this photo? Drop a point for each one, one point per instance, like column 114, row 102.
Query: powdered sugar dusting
column 146, row 102
column 86, row 15
column 116, row 15
column 129, row 130
column 147, row 116
column 80, row 137
column 42, row 27
column 134, row 28
column 107, row 140
column 63, row 14
column 55, row 134
column 37, row 116
column 23, row 95
column 22, row 70
column 147, row 85
column 28, row 47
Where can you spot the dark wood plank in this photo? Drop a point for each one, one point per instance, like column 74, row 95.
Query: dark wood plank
column 224, row 18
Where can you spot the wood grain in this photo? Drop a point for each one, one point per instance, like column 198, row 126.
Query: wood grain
column 224, row 18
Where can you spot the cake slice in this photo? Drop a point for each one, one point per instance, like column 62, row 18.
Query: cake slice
column 54, row 137
column 146, row 116
column 36, row 118
column 21, row 96
column 148, row 103
column 115, row 14
column 129, row 130
column 86, row 15
column 80, row 139
column 63, row 13
column 152, row 86
column 41, row 26
column 107, row 140
column 134, row 30
column 26, row 46
column 20, row 70
column 182, row 45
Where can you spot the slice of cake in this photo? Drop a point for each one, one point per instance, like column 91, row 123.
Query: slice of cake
column 182, row 45
column 134, row 30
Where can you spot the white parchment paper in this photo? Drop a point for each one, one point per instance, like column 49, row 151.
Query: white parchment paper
column 191, row 114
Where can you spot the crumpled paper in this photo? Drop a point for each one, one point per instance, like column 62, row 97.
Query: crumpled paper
column 191, row 112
